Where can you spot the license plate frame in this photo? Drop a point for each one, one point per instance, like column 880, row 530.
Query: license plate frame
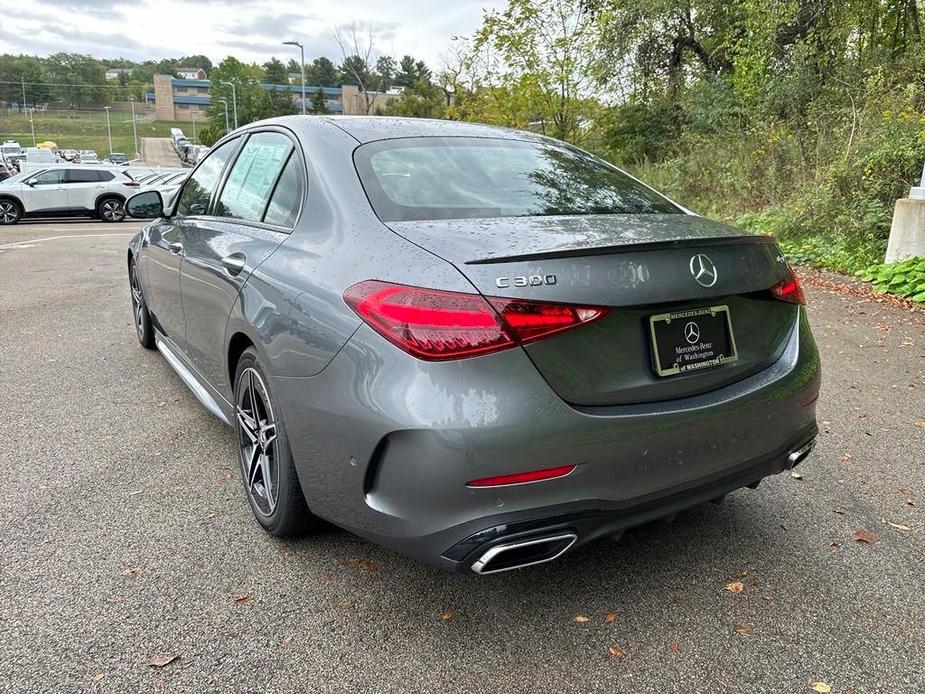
column 688, row 357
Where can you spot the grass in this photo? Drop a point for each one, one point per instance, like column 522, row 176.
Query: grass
column 83, row 130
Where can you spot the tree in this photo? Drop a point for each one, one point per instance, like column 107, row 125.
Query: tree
column 320, row 73
column 318, row 102
column 385, row 72
column 293, row 66
column 253, row 100
column 275, row 72
column 423, row 99
column 199, row 61
column 356, row 67
column 535, row 61
column 410, row 71
column 83, row 77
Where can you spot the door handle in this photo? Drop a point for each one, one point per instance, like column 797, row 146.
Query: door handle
column 234, row 263
column 176, row 247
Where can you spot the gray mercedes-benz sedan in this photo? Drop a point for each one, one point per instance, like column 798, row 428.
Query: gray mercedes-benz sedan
column 478, row 346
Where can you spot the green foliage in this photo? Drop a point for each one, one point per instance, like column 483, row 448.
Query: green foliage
column 905, row 279
column 318, row 102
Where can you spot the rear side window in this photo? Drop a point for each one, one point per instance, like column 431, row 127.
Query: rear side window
column 251, row 180
column 202, row 183
column 87, row 176
column 286, row 201
column 466, row 177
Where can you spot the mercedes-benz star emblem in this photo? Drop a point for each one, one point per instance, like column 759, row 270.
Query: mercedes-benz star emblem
column 703, row 270
column 692, row 332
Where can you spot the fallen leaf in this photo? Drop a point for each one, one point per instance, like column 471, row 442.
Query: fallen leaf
column 98, row 677
column 346, row 604
column 241, row 598
column 609, row 617
column 820, row 687
column 910, row 499
column 615, row 651
column 743, row 630
column 834, row 543
column 674, row 647
column 742, row 574
column 796, row 475
column 162, row 660
column 847, row 456
column 364, row 564
column 898, row 526
column 864, row 535
column 224, row 477
column 581, row 619
column 447, row 615
column 286, row 639
column 734, row 587
column 130, row 570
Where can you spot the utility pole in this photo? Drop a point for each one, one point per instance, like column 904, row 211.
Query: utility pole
column 108, row 128
column 32, row 124
column 225, row 101
column 23, row 78
column 134, row 127
column 234, row 101
column 302, row 54
column 193, row 114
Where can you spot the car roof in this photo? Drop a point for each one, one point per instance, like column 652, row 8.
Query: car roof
column 371, row 128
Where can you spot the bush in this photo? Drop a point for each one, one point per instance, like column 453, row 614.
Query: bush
column 905, row 279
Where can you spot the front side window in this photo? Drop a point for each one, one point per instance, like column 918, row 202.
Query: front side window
column 286, row 202
column 201, row 184
column 466, row 177
column 53, row 177
column 252, row 177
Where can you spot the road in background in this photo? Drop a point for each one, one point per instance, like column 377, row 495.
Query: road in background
column 156, row 151
column 127, row 537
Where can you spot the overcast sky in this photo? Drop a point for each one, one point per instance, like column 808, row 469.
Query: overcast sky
column 251, row 30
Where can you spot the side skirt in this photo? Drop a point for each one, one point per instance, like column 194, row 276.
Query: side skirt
column 213, row 401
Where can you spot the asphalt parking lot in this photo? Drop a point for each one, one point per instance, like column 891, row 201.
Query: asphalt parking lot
column 126, row 537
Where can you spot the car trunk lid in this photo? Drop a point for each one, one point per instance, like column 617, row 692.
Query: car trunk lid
column 640, row 266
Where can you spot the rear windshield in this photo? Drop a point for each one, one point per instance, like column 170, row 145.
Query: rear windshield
column 465, row 178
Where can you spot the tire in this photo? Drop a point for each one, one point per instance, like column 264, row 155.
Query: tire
column 111, row 209
column 140, row 316
column 10, row 211
column 264, row 453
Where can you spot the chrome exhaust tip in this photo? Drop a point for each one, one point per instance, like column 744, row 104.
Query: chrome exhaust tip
column 799, row 455
column 520, row 553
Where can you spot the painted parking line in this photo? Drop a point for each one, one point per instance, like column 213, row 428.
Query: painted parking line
column 27, row 243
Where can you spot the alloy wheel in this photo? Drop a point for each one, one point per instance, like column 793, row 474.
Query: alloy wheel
column 112, row 211
column 257, row 442
column 8, row 212
column 138, row 305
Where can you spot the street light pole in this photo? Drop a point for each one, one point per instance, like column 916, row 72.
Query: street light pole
column 23, row 78
column 234, row 101
column 108, row 128
column 134, row 128
column 302, row 55
column 225, row 101
column 193, row 114
column 32, row 125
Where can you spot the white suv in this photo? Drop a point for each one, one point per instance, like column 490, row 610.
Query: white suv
column 66, row 191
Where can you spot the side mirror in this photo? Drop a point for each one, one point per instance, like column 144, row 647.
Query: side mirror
column 30, row 183
column 146, row 205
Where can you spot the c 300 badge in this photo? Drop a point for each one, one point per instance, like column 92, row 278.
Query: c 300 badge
column 525, row 281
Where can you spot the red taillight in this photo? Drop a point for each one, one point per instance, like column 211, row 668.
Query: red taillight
column 522, row 477
column 789, row 290
column 435, row 325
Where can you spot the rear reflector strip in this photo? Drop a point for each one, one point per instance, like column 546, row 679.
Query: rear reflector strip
column 522, row 477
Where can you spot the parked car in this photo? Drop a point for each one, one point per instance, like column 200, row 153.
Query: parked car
column 69, row 154
column 66, row 191
column 118, row 158
column 478, row 346
column 88, row 156
column 5, row 173
column 11, row 153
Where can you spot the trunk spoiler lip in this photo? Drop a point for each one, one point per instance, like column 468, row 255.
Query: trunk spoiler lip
column 624, row 248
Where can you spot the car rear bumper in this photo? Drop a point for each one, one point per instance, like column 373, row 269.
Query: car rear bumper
column 384, row 445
